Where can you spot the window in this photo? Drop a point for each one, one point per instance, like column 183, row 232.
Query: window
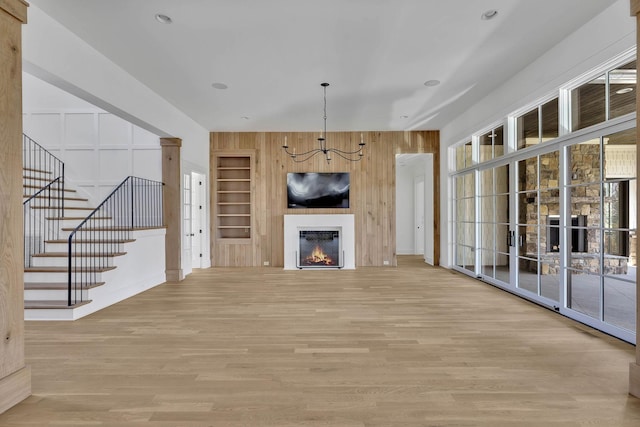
column 491, row 144
column 610, row 95
column 464, row 155
column 538, row 125
column 622, row 90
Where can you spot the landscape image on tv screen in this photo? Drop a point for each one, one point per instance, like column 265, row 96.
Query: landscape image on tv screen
column 318, row 190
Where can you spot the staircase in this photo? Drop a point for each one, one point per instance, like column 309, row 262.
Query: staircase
column 72, row 249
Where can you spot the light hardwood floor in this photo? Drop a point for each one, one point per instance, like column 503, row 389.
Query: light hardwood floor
column 407, row 346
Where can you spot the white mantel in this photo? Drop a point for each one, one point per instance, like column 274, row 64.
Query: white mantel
column 293, row 223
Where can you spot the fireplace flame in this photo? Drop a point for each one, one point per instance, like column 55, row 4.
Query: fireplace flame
column 318, row 257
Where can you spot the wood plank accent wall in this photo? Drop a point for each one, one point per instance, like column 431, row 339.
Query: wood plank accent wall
column 372, row 191
column 15, row 377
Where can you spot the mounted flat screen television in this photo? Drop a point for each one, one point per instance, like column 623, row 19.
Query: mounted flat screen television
column 317, row 190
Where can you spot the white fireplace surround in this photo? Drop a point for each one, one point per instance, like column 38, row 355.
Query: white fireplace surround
column 294, row 223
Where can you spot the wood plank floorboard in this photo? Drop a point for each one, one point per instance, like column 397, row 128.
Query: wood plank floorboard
column 408, row 346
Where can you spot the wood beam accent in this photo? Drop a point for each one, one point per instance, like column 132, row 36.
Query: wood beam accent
column 172, row 207
column 15, row 377
column 634, row 368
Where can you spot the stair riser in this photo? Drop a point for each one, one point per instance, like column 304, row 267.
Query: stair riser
column 73, row 223
column 53, row 191
column 95, row 235
column 85, row 247
column 42, row 178
column 53, row 295
column 63, row 262
column 58, row 277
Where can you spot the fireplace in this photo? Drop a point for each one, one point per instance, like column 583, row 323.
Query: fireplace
column 319, row 248
column 578, row 233
column 343, row 224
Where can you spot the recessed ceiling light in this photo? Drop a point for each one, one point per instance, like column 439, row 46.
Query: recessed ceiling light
column 431, row 83
column 218, row 85
column 404, row 117
column 244, row 118
column 489, row 14
column 163, row 19
column 624, row 90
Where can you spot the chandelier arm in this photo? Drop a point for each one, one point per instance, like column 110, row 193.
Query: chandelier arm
column 335, row 150
column 292, row 154
column 352, row 156
column 314, row 153
column 349, row 158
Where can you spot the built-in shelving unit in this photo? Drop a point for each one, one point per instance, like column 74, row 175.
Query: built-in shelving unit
column 233, row 195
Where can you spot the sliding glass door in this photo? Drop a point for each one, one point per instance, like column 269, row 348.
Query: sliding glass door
column 601, row 229
column 494, row 227
column 538, row 227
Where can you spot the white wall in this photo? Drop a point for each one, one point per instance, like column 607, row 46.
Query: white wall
column 57, row 56
column 99, row 149
column 600, row 40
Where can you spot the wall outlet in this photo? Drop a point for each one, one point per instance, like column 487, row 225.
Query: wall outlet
column 385, row 262
column 266, row 263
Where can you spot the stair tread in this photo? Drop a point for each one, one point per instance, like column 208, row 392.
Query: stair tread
column 71, row 190
column 36, row 286
column 77, row 208
column 37, row 178
column 115, row 228
column 75, row 199
column 91, row 241
column 109, row 228
column 53, row 304
column 36, row 170
column 75, row 218
column 66, row 269
column 82, row 254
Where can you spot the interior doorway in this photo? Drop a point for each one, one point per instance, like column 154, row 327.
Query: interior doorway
column 414, row 206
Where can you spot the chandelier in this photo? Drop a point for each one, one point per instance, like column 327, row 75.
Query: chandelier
column 352, row 156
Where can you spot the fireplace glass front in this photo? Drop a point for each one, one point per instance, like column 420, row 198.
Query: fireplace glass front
column 319, row 248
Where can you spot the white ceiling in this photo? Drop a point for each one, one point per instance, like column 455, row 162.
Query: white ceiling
column 273, row 55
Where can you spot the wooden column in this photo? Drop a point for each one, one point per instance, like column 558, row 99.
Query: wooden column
column 172, row 207
column 634, row 368
column 15, row 377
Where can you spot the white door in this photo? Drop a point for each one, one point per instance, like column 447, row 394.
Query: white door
column 419, row 215
column 429, row 225
column 198, row 192
column 187, row 230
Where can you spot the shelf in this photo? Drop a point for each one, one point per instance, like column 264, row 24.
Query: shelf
column 234, row 209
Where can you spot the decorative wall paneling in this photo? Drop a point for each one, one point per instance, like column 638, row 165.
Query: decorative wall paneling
column 372, row 191
column 99, row 149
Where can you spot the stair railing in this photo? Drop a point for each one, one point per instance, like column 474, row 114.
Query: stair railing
column 135, row 204
column 43, row 185
column 40, row 167
column 42, row 213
